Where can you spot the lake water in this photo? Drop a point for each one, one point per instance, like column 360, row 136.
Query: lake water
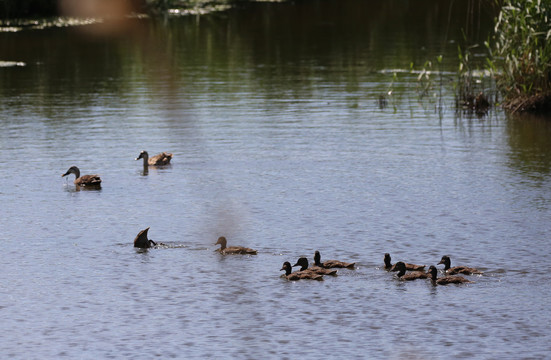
column 280, row 144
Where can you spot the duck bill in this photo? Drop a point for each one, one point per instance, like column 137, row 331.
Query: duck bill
column 441, row 262
column 63, row 175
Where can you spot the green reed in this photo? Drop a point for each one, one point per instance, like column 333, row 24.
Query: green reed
column 521, row 51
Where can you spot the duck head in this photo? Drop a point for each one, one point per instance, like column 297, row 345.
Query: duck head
column 287, row 267
column 400, row 267
column 303, row 263
column 222, row 242
column 72, row 170
column 446, row 261
column 317, row 258
column 143, row 155
column 433, row 272
column 387, row 259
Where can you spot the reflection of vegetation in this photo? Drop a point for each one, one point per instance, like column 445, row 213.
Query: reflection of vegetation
column 472, row 84
column 40, row 8
column 300, row 46
column 529, row 139
column 26, row 8
column 10, row 9
column 522, row 51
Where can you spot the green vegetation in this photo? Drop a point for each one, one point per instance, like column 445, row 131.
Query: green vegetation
column 521, row 54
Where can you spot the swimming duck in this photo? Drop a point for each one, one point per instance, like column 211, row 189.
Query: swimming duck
column 446, row 279
column 84, row 180
column 157, row 160
column 414, row 275
column 298, row 275
column 141, row 240
column 232, row 249
column 457, row 269
column 303, row 263
column 331, row 263
column 409, row 267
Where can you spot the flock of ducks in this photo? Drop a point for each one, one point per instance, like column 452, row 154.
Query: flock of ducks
column 94, row 181
column 418, row 271
column 405, row 271
column 319, row 268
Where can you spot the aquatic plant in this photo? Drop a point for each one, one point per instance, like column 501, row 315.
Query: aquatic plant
column 521, row 54
column 474, row 84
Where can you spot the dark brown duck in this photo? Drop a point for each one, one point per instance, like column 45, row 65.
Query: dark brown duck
column 228, row 250
column 299, row 275
column 328, row 264
column 414, row 275
column 457, row 269
column 157, row 160
column 141, row 240
column 409, row 267
column 84, row 180
column 445, row 280
column 303, row 263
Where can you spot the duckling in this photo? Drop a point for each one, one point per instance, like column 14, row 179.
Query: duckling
column 157, row 160
column 232, row 249
column 141, row 240
column 331, row 263
column 84, row 180
column 303, row 263
column 446, row 279
column 414, row 275
column 298, row 275
column 409, row 267
column 457, row 269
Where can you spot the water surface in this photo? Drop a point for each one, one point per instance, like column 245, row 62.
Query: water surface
column 280, row 144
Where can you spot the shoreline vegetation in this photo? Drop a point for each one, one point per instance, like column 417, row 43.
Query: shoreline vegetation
column 519, row 50
column 520, row 55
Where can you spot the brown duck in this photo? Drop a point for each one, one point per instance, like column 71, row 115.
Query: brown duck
column 141, row 240
column 84, row 180
column 449, row 279
column 457, row 269
column 232, row 249
column 299, row 275
column 414, row 275
column 303, row 263
column 328, row 264
column 157, row 160
column 409, row 267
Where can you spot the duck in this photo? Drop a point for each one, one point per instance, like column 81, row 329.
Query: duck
column 233, row 249
column 328, row 264
column 157, row 160
column 409, row 267
column 400, row 266
column 299, row 275
column 303, row 263
column 84, row 180
column 449, row 279
column 457, row 269
column 141, row 240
